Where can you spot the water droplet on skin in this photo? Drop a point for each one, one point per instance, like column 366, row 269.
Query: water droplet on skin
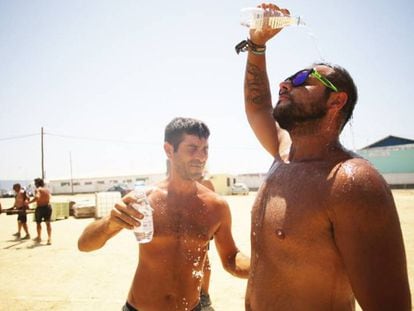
column 197, row 274
column 280, row 234
column 349, row 170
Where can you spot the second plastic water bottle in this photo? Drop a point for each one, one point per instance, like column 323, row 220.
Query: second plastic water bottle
column 145, row 231
column 258, row 18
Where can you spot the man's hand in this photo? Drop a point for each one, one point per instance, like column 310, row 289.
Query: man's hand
column 261, row 36
column 124, row 215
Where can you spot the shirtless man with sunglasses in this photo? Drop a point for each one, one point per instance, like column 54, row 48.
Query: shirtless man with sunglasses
column 325, row 230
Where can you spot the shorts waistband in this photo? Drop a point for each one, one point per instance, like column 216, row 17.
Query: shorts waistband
column 44, row 206
column 128, row 307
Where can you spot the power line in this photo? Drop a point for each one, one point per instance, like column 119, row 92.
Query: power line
column 139, row 142
column 99, row 139
column 18, row 137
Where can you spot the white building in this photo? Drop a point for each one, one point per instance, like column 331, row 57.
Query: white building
column 253, row 180
column 97, row 184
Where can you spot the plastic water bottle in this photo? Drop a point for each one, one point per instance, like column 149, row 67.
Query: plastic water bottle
column 145, row 231
column 258, row 18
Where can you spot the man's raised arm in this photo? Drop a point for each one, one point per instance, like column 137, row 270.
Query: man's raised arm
column 257, row 95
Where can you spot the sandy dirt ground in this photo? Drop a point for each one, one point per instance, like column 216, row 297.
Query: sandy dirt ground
column 59, row 277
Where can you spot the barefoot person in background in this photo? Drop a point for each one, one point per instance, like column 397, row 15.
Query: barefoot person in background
column 43, row 210
column 325, row 229
column 186, row 216
column 21, row 203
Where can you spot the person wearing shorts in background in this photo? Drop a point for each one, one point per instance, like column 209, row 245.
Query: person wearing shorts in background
column 43, row 210
column 21, row 204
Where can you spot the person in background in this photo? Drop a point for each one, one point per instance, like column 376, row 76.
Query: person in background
column 43, row 210
column 21, row 203
column 186, row 216
column 325, row 229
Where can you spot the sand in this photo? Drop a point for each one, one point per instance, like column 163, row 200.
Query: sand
column 59, row 277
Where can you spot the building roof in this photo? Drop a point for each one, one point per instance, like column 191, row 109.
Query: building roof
column 390, row 141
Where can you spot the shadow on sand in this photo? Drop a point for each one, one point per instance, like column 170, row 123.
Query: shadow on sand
column 22, row 244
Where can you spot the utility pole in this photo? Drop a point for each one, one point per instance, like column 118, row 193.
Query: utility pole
column 42, row 154
column 71, row 175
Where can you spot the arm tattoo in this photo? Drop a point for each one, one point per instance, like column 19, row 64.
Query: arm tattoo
column 256, row 85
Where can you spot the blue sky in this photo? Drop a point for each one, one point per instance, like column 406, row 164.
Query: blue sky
column 103, row 78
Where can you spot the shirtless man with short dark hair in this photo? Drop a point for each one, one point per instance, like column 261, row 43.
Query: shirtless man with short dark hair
column 43, row 210
column 21, row 203
column 186, row 216
column 325, row 229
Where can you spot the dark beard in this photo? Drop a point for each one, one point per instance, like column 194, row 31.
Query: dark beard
column 290, row 115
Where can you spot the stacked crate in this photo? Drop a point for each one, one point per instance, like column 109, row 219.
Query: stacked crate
column 105, row 201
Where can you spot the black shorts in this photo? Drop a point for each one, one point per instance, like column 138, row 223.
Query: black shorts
column 22, row 217
column 128, row 307
column 43, row 212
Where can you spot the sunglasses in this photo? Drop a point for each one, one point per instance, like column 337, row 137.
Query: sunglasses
column 300, row 78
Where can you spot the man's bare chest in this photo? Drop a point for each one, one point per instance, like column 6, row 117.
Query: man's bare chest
column 184, row 221
column 293, row 202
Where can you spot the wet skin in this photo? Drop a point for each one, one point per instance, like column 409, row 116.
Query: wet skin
column 324, row 226
column 186, row 216
column 170, row 268
column 290, row 222
column 309, row 231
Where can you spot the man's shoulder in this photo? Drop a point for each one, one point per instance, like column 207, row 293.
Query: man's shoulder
column 355, row 169
column 43, row 190
column 356, row 178
column 156, row 190
column 359, row 191
column 208, row 184
column 210, row 196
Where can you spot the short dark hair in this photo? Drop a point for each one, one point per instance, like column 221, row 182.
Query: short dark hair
column 175, row 130
column 341, row 78
column 16, row 186
column 39, row 182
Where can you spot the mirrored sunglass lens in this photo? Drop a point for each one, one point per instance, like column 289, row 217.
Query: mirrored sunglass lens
column 300, row 77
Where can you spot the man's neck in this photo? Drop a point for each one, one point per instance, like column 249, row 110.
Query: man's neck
column 313, row 147
column 314, row 140
column 179, row 185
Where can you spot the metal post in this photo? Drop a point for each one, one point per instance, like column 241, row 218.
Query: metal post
column 71, row 175
column 42, row 154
